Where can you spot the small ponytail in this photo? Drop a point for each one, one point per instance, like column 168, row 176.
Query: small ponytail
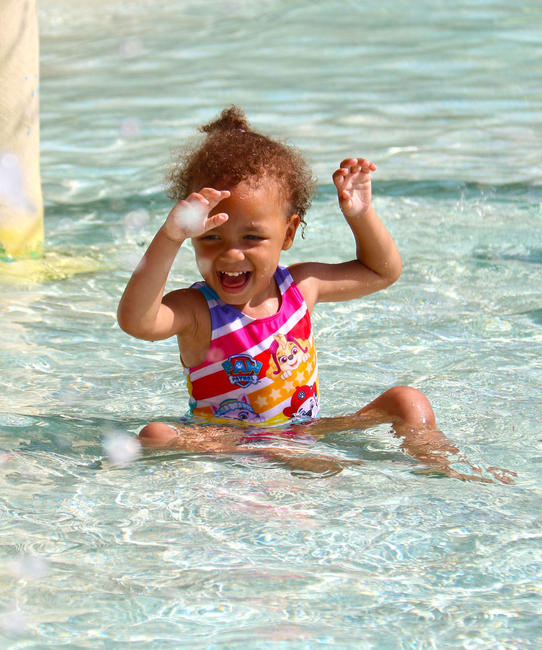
column 230, row 152
column 230, row 119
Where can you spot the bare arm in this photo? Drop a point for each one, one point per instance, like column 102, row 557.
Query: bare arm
column 143, row 311
column 377, row 263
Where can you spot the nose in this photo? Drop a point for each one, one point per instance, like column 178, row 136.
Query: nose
column 232, row 254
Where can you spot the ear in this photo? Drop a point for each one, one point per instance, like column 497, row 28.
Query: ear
column 293, row 224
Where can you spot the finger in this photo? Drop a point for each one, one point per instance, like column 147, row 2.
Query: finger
column 196, row 197
column 355, row 165
column 349, row 162
column 502, row 470
column 339, row 177
column 366, row 165
column 216, row 220
column 213, row 194
column 345, row 199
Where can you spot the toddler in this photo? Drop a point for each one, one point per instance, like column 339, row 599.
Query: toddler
column 244, row 331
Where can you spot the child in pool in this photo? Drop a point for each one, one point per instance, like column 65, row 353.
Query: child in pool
column 244, row 333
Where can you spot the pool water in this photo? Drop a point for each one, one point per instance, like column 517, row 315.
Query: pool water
column 186, row 550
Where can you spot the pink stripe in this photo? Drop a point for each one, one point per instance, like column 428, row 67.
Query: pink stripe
column 252, row 334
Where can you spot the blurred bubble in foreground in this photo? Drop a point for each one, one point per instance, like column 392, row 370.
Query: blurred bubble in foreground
column 130, row 48
column 28, row 567
column 136, row 220
column 190, row 217
column 121, row 448
column 130, row 127
column 13, row 622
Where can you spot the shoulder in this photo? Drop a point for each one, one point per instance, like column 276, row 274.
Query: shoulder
column 190, row 308
column 185, row 300
column 305, row 275
column 194, row 338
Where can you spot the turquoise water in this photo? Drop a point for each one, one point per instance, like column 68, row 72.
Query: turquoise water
column 176, row 550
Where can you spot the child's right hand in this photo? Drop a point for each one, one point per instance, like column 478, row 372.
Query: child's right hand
column 190, row 216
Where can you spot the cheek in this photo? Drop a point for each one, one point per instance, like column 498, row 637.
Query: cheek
column 204, row 265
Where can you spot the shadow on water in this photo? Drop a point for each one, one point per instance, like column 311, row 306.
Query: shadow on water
column 535, row 315
column 58, row 432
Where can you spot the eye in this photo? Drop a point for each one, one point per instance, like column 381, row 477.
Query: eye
column 254, row 237
column 294, row 350
column 283, row 359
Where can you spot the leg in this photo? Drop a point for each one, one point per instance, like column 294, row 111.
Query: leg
column 211, row 439
column 409, row 412
column 227, row 440
column 404, row 405
column 411, row 416
column 413, row 420
column 157, row 434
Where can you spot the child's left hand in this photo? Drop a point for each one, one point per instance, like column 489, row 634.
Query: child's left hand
column 353, row 183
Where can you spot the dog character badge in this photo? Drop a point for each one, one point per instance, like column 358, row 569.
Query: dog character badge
column 287, row 353
column 242, row 370
column 305, row 403
column 236, row 409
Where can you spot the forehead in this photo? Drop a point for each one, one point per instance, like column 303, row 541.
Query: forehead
column 249, row 199
column 257, row 189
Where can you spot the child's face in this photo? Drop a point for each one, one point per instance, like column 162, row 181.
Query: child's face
column 238, row 258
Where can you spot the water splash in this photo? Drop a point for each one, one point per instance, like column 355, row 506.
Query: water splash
column 130, row 128
column 121, row 448
column 14, row 622
column 29, row 567
column 136, row 220
column 130, row 48
column 191, row 217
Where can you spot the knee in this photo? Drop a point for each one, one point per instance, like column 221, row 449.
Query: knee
column 411, row 405
column 156, row 434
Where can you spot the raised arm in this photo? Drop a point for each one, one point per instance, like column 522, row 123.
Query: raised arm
column 143, row 311
column 377, row 263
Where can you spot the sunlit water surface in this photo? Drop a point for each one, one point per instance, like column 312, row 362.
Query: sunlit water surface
column 176, row 550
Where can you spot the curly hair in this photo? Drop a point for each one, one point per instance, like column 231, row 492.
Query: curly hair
column 231, row 153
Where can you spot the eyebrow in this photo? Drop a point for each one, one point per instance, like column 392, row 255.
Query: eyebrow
column 256, row 228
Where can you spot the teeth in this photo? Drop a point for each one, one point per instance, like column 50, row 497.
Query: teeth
column 234, row 275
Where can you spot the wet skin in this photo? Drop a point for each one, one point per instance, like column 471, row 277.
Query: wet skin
column 238, row 258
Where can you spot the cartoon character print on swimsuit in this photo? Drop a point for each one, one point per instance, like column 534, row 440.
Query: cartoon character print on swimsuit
column 287, row 354
column 236, row 409
column 305, row 403
column 256, row 367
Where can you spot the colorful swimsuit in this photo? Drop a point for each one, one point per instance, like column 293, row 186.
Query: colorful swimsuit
column 260, row 371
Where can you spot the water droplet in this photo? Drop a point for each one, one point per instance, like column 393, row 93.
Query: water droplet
column 130, row 127
column 136, row 220
column 121, row 448
column 14, row 622
column 131, row 47
column 29, row 567
column 216, row 354
column 190, row 217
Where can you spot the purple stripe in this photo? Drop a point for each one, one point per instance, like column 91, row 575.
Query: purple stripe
column 223, row 314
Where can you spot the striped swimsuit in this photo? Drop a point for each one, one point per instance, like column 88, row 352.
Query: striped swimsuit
column 262, row 372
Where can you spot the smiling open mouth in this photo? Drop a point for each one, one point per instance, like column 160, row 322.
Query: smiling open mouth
column 233, row 281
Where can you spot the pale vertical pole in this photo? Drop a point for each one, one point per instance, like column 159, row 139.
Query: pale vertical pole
column 21, row 201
